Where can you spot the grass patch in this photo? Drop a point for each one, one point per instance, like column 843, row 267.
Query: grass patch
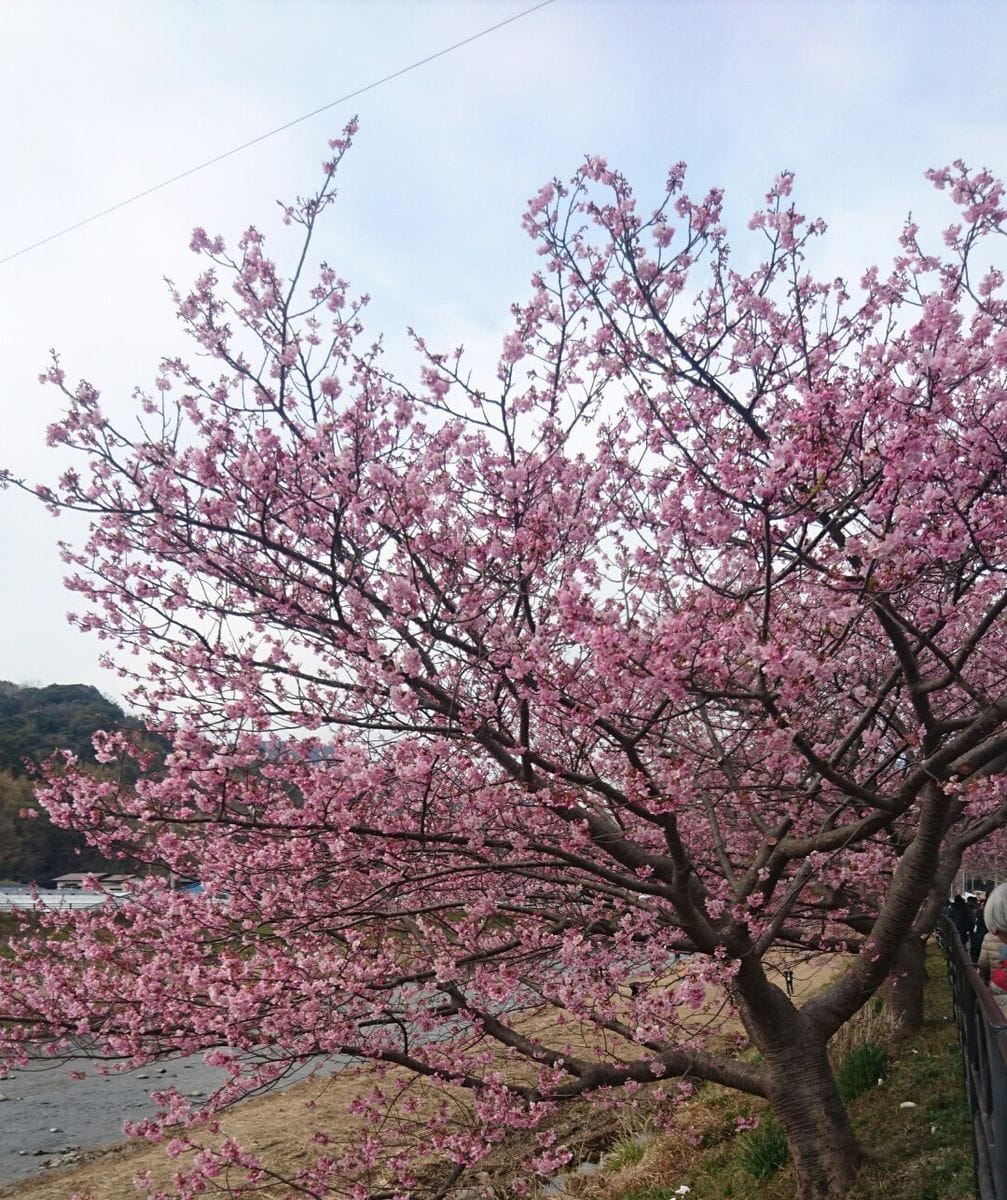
column 864, row 1067
column 624, row 1153
column 764, row 1151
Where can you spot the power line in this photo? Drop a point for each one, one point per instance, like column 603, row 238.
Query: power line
column 422, row 62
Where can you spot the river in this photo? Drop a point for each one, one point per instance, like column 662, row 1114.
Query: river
column 46, row 1118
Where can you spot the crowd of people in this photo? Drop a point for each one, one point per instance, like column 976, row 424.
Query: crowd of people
column 967, row 916
column 982, row 927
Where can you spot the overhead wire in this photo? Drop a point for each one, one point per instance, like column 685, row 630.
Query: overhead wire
column 422, row 62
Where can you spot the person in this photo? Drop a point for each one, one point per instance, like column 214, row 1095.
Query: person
column 990, row 963
column 960, row 918
column 989, row 955
column 978, row 930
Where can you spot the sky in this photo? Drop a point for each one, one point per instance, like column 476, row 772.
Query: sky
column 103, row 99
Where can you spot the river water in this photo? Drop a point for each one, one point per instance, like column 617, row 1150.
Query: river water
column 46, row 1116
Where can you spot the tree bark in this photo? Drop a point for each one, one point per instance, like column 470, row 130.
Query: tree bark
column 804, row 1097
column 903, row 990
column 800, row 1087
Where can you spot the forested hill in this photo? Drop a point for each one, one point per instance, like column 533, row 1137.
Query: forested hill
column 35, row 721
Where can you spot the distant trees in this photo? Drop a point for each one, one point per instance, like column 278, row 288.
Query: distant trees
column 35, row 722
column 32, row 848
column 22, row 856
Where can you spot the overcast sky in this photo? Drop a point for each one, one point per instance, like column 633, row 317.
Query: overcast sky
column 102, row 99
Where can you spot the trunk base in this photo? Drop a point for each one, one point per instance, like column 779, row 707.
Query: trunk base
column 822, row 1144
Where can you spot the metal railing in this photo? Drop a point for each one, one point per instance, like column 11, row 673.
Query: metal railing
column 982, row 1028
column 25, row 900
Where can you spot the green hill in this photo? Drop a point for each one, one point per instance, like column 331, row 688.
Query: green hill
column 35, row 722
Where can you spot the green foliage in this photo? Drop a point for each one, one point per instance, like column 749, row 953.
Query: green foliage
column 21, row 846
column 861, row 1069
column 34, row 723
column 764, row 1151
column 32, row 849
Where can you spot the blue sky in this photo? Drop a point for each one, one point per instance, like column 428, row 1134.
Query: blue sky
column 102, row 99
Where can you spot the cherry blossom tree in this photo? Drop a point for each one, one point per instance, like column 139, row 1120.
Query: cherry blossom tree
column 524, row 729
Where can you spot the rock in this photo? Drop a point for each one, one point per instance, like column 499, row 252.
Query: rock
column 907, row 1104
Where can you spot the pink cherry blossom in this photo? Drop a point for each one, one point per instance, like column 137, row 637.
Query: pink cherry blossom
column 608, row 687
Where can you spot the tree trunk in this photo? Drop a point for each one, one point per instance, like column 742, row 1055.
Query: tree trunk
column 903, row 990
column 799, row 1085
column 804, row 1097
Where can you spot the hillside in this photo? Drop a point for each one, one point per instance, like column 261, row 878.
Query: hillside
column 34, row 722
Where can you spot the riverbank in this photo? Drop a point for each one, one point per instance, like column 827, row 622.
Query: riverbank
column 278, row 1128
column 920, row 1152
column 50, row 1121
column 913, row 1127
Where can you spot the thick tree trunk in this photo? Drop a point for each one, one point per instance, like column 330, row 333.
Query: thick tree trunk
column 799, row 1085
column 804, row 1097
column 903, row 991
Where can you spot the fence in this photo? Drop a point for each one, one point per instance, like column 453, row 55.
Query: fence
column 24, row 900
column 982, row 1027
